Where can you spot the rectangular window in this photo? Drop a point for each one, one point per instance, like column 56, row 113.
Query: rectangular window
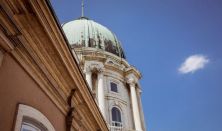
column 113, row 87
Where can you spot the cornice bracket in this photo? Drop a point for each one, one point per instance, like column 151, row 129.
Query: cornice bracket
column 69, row 116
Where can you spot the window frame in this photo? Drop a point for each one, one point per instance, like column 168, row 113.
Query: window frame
column 31, row 123
column 28, row 112
column 117, row 87
column 121, row 117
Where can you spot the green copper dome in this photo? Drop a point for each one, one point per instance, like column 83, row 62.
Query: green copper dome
column 87, row 33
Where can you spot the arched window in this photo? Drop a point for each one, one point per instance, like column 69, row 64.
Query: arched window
column 30, row 119
column 29, row 124
column 116, row 117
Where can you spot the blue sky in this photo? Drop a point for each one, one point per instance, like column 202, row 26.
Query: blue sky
column 157, row 37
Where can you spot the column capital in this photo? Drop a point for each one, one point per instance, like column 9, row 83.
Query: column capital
column 88, row 69
column 131, row 80
column 94, row 67
column 101, row 70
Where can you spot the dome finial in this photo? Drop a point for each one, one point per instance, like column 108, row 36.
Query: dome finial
column 82, row 8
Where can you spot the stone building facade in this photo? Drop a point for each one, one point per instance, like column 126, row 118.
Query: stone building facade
column 41, row 85
column 75, row 79
column 114, row 83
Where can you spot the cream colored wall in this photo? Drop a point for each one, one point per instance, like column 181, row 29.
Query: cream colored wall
column 114, row 71
column 120, row 100
column 112, row 99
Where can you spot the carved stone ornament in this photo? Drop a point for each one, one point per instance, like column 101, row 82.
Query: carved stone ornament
column 87, row 69
column 101, row 70
column 131, row 80
column 94, row 67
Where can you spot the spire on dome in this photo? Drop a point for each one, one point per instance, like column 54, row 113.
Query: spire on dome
column 82, row 8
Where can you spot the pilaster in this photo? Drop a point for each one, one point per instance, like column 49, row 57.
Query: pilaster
column 132, row 81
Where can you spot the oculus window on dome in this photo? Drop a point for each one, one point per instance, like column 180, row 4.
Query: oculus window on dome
column 113, row 87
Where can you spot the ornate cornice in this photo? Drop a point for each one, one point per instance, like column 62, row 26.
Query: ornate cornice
column 109, row 60
column 132, row 70
column 35, row 40
column 97, row 54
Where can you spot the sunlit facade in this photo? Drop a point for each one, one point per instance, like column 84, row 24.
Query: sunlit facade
column 113, row 82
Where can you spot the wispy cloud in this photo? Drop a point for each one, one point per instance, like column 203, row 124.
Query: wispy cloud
column 193, row 63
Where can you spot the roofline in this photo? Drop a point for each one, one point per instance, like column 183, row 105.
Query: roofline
column 69, row 47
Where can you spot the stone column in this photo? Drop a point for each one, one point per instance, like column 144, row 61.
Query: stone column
column 135, row 105
column 88, row 73
column 101, row 97
column 141, row 107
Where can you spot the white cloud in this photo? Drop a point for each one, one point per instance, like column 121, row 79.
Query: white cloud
column 193, row 63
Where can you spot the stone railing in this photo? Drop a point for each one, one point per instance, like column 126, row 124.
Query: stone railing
column 116, row 126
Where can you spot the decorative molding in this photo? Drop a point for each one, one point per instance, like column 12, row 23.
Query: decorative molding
column 92, row 66
column 44, row 54
column 111, row 97
column 118, row 64
column 131, row 79
column 101, row 55
column 132, row 70
column 116, row 76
